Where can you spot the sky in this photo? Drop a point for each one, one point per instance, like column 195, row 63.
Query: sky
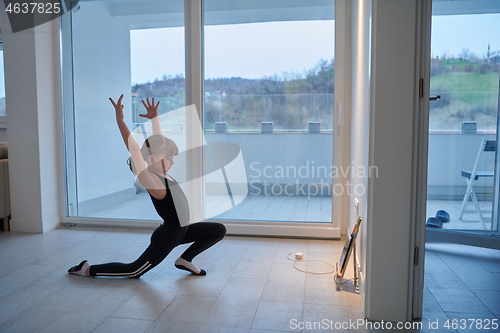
column 263, row 49
column 453, row 33
column 242, row 50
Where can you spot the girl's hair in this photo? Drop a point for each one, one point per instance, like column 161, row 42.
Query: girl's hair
column 156, row 145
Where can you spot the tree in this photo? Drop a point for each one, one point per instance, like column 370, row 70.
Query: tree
column 466, row 55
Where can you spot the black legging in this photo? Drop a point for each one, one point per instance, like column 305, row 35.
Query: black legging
column 163, row 240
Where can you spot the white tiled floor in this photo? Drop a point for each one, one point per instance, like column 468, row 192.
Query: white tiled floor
column 461, row 282
column 250, row 287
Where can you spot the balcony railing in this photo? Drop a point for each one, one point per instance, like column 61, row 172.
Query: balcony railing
column 246, row 113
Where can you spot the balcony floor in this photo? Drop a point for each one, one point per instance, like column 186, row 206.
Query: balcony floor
column 290, row 209
column 255, row 208
column 469, row 221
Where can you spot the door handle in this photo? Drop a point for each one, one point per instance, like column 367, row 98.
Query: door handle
column 435, row 98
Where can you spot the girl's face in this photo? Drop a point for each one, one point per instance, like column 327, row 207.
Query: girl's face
column 168, row 163
column 161, row 164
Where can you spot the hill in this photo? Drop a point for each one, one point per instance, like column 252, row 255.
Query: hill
column 469, row 92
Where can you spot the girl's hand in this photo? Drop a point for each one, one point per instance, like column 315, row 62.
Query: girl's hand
column 152, row 109
column 118, row 107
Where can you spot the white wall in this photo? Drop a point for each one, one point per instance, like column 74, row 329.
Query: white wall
column 31, row 82
column 360, row 120
column 342, row 134
column 3, row 119
column 394, row 91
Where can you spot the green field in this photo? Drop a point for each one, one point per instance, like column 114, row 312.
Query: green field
column 465, row 96
column 466, row 82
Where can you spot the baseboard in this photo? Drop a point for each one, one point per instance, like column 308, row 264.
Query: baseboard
column 30, row 226
column 262, row 229
column 288, row 229
column 38, row 227
column 361, row 284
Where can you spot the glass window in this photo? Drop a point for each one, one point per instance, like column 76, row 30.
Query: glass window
column 268, row 88
column 268, row 70
column 465, row 67
column 134, row 49
column 464, row 71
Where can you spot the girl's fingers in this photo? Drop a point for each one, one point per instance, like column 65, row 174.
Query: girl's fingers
column 117, row 104
column 147, row 104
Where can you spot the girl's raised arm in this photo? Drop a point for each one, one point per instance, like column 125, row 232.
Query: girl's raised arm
column 149, row 180
column 124, row 131
column 152, row 113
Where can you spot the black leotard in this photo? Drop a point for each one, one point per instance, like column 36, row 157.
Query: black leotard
column 174, row 207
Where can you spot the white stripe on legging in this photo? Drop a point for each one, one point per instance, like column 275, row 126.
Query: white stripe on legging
column 131, row 274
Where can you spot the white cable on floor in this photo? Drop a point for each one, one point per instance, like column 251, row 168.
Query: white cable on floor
column 305, row 271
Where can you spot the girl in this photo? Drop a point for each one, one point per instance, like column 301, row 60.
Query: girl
column 151, row 164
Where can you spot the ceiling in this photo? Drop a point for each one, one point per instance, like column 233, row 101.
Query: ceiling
column 156, row 14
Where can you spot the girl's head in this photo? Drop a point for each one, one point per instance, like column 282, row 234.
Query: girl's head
column 158, row 146
column 155, row 149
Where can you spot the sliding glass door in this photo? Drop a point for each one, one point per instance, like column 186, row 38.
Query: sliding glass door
column 268, row 80
column 267, row 113
column 463, row 150
column 113, row 48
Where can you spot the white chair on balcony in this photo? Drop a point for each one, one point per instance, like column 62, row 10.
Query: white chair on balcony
column 486, row 146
